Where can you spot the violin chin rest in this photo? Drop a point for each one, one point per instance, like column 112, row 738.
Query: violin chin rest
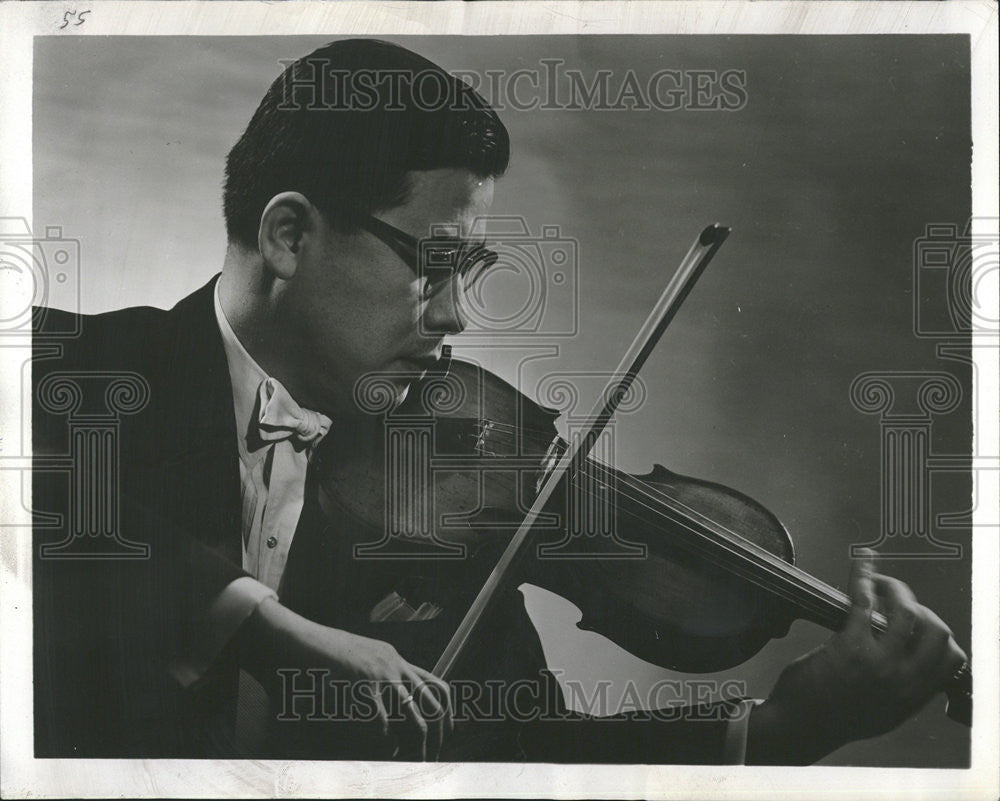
column 781, row 628
column 658, row 475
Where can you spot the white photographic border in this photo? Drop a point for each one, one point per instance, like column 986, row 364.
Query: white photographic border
column 22, row 776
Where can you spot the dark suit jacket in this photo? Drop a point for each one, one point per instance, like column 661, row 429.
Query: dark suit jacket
column 134, row 424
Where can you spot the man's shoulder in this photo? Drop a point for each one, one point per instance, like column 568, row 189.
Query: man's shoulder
column 113, row 337
column 172, row 357
column 46, row 321
column 122, row 336
column 50, row 322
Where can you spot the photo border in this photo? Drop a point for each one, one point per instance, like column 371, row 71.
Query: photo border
column 22, row 775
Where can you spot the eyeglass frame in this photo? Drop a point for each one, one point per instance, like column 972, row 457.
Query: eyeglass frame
column 409, row 248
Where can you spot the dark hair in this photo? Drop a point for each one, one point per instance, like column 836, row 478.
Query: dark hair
column 343, row 126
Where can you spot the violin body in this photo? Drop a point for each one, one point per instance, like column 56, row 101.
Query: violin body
column 431, row 492
column 676, row 609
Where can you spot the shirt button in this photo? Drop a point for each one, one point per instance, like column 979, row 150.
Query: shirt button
column 272, row 541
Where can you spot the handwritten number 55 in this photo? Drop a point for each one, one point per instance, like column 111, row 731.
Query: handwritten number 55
column 80, row 18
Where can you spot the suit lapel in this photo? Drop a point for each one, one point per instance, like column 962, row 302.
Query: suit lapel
column 196, row 426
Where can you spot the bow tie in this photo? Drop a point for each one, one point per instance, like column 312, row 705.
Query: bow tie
column 282, row 418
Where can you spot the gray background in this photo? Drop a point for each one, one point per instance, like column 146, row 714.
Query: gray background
column 847, row 147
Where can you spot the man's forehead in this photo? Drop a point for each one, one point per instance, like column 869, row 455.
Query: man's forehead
column 446, row 197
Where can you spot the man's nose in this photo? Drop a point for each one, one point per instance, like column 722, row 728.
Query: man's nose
column 445, row 312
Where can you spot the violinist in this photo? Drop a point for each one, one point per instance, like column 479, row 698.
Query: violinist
column 248, row 597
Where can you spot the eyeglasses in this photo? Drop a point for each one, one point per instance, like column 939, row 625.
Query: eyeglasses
column 437, row 259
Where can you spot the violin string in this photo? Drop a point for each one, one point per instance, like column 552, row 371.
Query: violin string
column 751, row 549
column 751, row 570
column 742, row 545
column 786, row 580
column 537, row 435
column 740, row 541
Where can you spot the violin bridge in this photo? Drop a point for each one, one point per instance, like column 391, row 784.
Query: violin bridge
column 485, row 427
column 549, row 461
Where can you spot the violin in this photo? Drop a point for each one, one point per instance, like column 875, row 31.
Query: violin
column 466, row 489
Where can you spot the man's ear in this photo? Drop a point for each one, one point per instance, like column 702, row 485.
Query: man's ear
column 287, row 219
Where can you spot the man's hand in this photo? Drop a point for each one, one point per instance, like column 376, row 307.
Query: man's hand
column 859, row 683
column 279, row 638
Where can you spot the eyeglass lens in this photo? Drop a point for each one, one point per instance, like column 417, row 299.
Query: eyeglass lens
column 441, row 261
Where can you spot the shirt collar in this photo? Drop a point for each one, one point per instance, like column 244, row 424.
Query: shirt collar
column 245, row 374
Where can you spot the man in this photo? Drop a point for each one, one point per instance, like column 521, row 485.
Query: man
column 248, row 589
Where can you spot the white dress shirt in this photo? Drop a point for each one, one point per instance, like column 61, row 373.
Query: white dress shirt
column 269, row 517
column 272, row 474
